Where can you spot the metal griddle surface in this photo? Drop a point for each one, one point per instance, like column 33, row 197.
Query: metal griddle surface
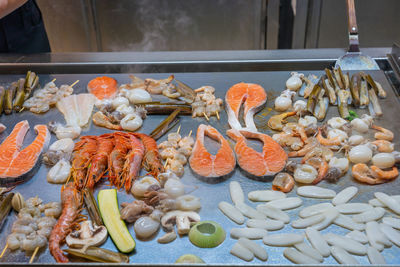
column 210, row 192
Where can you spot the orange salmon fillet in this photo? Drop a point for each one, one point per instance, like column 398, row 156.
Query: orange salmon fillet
column 203, row 162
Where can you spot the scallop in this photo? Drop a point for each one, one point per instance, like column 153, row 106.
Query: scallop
column 383, row 160
column 145, row 227
column 306, row 174
column 118, row 101
column 137, row 96
column 360, row 154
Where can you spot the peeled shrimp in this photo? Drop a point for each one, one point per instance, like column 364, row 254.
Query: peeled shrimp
column 359, row 125
column 167, row 144
column 362, row 173
column 383, row 133
column 326, row 141
column 131, row 122
column 186, row 141
column 168, row 152
column 52, row 209
column 381, row 174
column 171, row 92
column 276, row 121
column 383, row 146
column 174, row 137
column 177, row 167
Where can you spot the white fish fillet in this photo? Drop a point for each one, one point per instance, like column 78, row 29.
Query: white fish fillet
column 389, row 202
column 250, row 233
column 257, row 250
column 350, row 208
column 375, row 257
column 242, row 252
column 265, row 195
column 274, row 213
column 392, row 234
column 76, row 109
column 271, row 225
column 285, row 203
column 236, row 192
column 314, row 209
column 231, row 212
column 369, row 215
column 309, row 221
column 309, row 251
column 358, row 236
column 249, row 212
column 393, row 222
column 346, row 222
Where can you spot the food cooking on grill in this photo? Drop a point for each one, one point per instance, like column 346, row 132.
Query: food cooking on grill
column 143, row 184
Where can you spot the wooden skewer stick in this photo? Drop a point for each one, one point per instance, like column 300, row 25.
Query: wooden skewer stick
column 217, row 115
column 205, row 115
column 4, row 250
column 22, row 109
column 53, row 80
column 166, row 163
column 190, row 133
column 72, row 85
column 179, row 129
column 34, row 254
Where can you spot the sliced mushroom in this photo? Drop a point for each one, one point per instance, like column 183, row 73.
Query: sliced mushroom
column 88, row 235
column 182, row 220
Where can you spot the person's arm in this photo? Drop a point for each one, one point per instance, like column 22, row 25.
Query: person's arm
column 8, row 6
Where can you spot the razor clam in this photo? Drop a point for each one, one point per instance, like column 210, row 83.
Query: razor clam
column 165, row 125
column 343, row 97
column 99, row 255
column 374, row 106
column 312, row 98
column 339, row 77
column 376, row 86
column 329, row 89
column 308, row 85
column 322, row 106
column 364, row 98
column 9, row 97
column 355, row 83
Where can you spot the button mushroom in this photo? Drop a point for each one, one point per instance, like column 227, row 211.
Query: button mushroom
column 88, row 235
column 182, row 220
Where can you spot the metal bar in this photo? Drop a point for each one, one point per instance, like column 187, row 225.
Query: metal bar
column 299, row 25
column 313, row 24
column 272, row 24
column 263, row 25
column 97, row 29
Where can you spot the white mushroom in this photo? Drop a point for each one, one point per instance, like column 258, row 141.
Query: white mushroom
column 182, row 220
column 88, row 235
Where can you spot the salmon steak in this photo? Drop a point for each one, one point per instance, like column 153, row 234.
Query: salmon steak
column 270, row 161
column 252, row 96
column 203, row 162
column 103, row 87
column 15, row 163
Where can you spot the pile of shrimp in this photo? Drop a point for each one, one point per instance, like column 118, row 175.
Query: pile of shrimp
column 34, row 224
column 317, row 147
column 48, row 96
column 119, row 154
column 176, row 151
column 205, row 103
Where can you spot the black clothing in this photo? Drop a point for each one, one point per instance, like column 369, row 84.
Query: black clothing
column 22, row 31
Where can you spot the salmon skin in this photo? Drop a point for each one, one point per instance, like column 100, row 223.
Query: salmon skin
column 252, row 96
column 270, row 161
column 16, row 164
column 203, row 162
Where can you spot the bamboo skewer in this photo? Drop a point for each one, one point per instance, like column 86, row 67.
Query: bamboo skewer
column 205, row 115
column 53, row 80
column 72, row 85
column 190, row 133
column 166, row 163
column 179, row 128
column 217, row 115
column 4, row 250
column 34, row 254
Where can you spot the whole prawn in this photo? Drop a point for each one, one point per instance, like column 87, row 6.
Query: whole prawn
column 71, row 205
column 117, row 157
column 105, row 145
column 83, row 152
column 132, row 162
column 151, row 159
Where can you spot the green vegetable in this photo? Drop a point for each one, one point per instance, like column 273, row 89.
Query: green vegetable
column 189, row 258
column 206, row 234
column 109, row 211
column 352, row 115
